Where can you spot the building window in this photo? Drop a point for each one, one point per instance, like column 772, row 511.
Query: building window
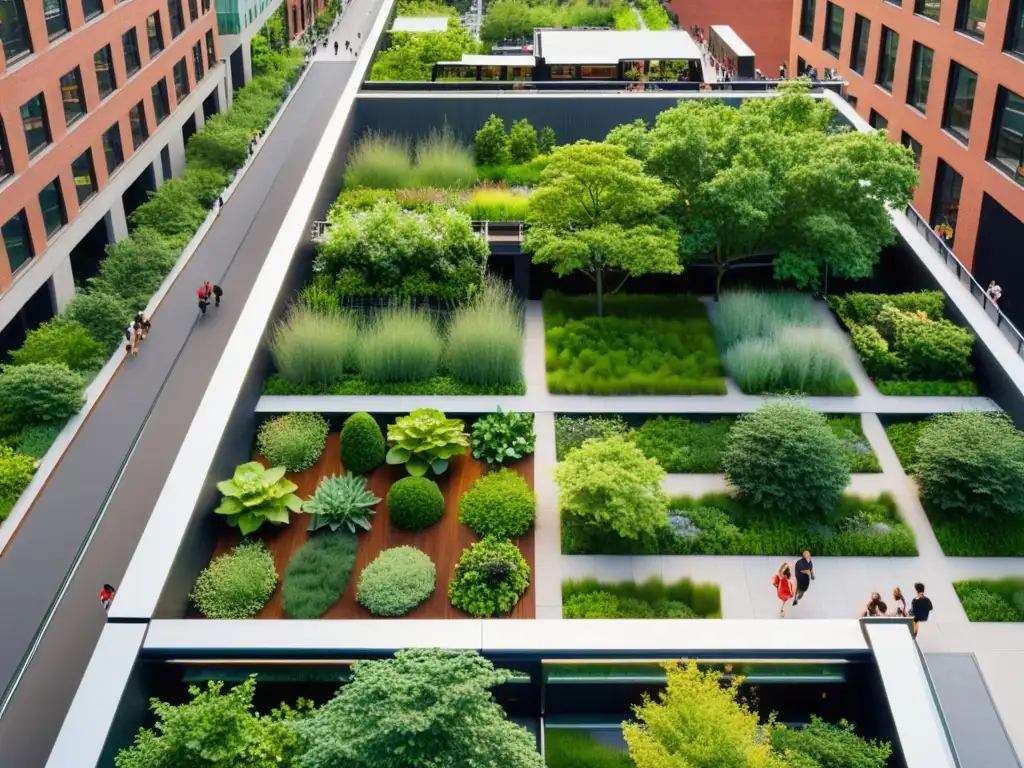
column 807, row 19
column 180, row 81
column 72, row 95
column 1007, row 150
column 16, row 240
column 197, row 60
column 85, row 176
column 193, row 11
column 6, row 169
column 928, row 8
column 877, row 122
column 155, row 34
column 211, row 57
column 13, row 30
column 946, row 200
column 56, row 16
column 206, row 6
column 137, row 120
column 177, row 17
column 859, row 54
column 112, row 147
column 52, row 203
column 913, row 145
column 132, row 58
column 35, row 124
column 1014, row 29
column 92, row 8
column 960, row 102
column 834, row 16
column 897, row 3
column 970, row 17
column 161, row 107
column 105, row 79
column 920, row 77
column 887, row 58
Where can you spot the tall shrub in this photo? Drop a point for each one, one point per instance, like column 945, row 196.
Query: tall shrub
column 103, row 315
column 522, row 141
column 135, row 267
column 485, row 338
column 547, row 141
column 60, row 341
column 313, row 347
column 49, row 392
column 491, row 143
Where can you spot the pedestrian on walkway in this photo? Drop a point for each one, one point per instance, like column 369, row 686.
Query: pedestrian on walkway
column 874, row 606
column 220, row 200
column 142, row 320
column 899, row 603
column 804, row 574
column 783, row 583
column 920, row 607
column 217, row 293
column 994, row 292
column 107, row 596
column 782, row 71
column 131, row 346
column 204, row 300
column 335, row 47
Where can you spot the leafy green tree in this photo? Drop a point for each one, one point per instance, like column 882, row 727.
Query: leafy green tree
column 424, row 707
column 507, row 19
column 633, row 137
column 547, row 141
column 829, row 746
column 611, row 484
column 216, row 729
column 135, row 267
column 412, row 54
column 972, row 464
column 785, row 456
column 696, row 722
column 522, row 141
column 36, row 392
column 173, row 211
column 60, row 341
column 103, row 315
column 491, row 143
column 590, row 215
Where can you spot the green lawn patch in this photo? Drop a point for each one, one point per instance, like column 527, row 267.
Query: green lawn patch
column 720, row 524
column 593, row 599
column 355, row 385
column 975, row 537
column 643, row 345
column 992, row 599
column 903, row 439
column 566, row 748
column 921, row 388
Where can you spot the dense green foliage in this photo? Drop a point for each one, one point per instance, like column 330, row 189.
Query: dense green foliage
column 515, row 19
column 341, row 501
column 830, row 746
column 256, row 495
column 784, row 456
column 489, row 579
column 654, row 14
column 396, row 581
column 903, row 439
column 61, row 341
column 496, row 204
column 16, row 472
column 653, row 599
column 362, row 444
column 566, row 748
column 313, row 346
column 381, row 161
column 992, row 599
column 502, row 437
column 412, row 54
column 317, row 575
column 485, row 338
column 294, row 441
column 237, row 584
column 35, row 440
column 683, row 445
column 39, row 393
column 415, row 503
column 103, row 315
column 522, row 141
column 355, row 385
column 491, row 143
column 399, row 344
column 499, row 504
column 425, row 440
column 571, row 431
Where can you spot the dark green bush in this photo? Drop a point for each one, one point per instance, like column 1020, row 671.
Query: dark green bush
column 684, row 445
column 40, row 392
column 863, row 308
column 415, row 503
column 491, row 142
column 174, row 211
column 903, row 439
column 499, row 504
column 103, row 315
column 362, row 444
column 489, row 579
column 992, row 600
column 35, row 439
column 60, row 341
column 355, row 385
column 294, row 441
column 317, row 575
column 502, row 437
column 962, row 536
column 592, row 599
column 16, row 472
column 919, row 388
column 135, row 267
column 522, row 141
column 930, row 349
column 571, row 431
column 835, row 746
column 566, row 748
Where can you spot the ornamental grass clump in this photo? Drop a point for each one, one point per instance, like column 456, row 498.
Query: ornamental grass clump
column 489, row 579
column 399, row 344
column 748, row 314
column 795, row 359
column 396, row 581
column 485, row 338
column 499, row 504
column 379, row 161
column 362, row 444
column 443, row 162
column 496, row 204
column 294, row 441
column 313, row 347
column 236, row 585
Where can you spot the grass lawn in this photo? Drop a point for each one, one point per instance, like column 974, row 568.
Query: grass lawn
column 643, row 345
column 355, row 385
column 919, row 388
column 720, row 524
column 992, row 599
column 569, row 748
column 593, row 599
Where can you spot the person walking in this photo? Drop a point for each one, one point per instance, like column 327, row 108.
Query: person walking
column 107, row 596
column 783, row 583
column 143, row 324
column 204, row 300
column 804, row 575
column 335, row 47
column 994, row 292
column 920, row 607
column 899, row 603
column 130, row 338
column 874, row 606
column 782, row 71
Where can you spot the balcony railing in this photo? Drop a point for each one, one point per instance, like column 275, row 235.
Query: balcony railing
column 1003, row 323
column 493, row 231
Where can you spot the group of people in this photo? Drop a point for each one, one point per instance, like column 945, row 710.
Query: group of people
column 792, row 583
column 207, row 291
column 136, row 333
column 994, row 292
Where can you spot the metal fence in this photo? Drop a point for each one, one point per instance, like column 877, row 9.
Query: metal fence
column 1003, row 323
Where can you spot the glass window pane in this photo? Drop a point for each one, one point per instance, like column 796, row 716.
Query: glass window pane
column 877, row 122
column 193, row 11
column 1015, row 28
column 914, row 145
column 211, row 57
column 1008, row 137
column 920, row 77
column 960, row 101
column 928, row 8
column 177, row 17
column 946, row 201
column 137, row 119
column 92, row 8
column 160, row 105
column 834, row 16
column 16, row 240
column 155, row 34
column 5, row 158
column 807, row 18
column 180, row 81
column 85, row 177
column 112, row 147
column 13, row 29
column 52, row 203
column 197, row 61
column 72, row 96
column 970, row 17
column 56, row 16
column 132, row 58
column 861, row 35
column 33, row 120
column 887, row 58
column 105, row 79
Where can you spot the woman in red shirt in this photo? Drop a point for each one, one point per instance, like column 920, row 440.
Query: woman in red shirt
column 783, row 583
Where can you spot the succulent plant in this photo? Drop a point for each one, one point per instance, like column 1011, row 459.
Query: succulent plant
column 341, row 500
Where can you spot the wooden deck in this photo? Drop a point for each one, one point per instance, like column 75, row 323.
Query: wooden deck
column 443, row 542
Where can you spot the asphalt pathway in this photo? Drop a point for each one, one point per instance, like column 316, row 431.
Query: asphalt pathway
column 123, row 452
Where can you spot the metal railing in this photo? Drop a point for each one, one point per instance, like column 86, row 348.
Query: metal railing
column 493, row 231
column 519, row 88
column 995, row 314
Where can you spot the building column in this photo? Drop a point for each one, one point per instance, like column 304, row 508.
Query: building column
column 62, row 283
column 158, row 171
column 200, row 118
column 247, row 62
column 116, row 222
column 176, row 146
column 224, row 87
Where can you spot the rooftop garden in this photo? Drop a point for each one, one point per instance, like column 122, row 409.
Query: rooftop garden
column 992, row 599
column 592, row 599
column 412, row 55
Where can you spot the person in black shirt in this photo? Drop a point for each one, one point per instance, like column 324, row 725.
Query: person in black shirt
column 920, row 606
column 804, row 574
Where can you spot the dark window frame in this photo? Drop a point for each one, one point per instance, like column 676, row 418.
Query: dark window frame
column 883, row 74
column 808, row 9
column 211, row 53
column 915, row 98
column 77, row 173
column 157, row 34
column 92, row 8
column 26, row 237
column 1013, row 42
column 139, row 127
column 193, row 12
column 949, row 112
column 6, row 166
column 114, row 132
column 964, row 20
column 161, row 100
column 62, row 210
column 62, row 14
column 176, row 14
column 197, row 61
column 861, row 41
column 131, row 52
column 941, row 209
column 1003, row 95
column 913, row 145
column 76, row 74
column 875, row 117
column 925, row 9
column 831, row 12
column 14, row 36
column 44, row 118
column 97, row 61
column 181, row 89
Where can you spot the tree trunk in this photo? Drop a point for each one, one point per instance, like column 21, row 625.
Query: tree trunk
column 599, row 275
column 721, row 268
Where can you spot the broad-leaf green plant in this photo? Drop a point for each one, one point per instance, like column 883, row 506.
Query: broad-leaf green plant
column 503, row 437
column 341, row 500
column 425, row 440
column 256, row 494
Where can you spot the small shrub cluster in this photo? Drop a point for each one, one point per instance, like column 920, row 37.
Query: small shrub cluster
column 826, row 744
column 682, row 445
column 774, row 342
column 859, row 452
column 489, row 579
column 396, row 581
column 498, row 438
column 317, row 575
column 510, row 20
column 294, row 441
column 992, row 600
column 412, row 55
column 496, row 204
column 654, row 14
column 362, row 444
column 380, row 161
column 237, row 584
column 516, row 175
column 16, row 472
column 415, row 503
column 495, row 147
column 903, row 439
column 572, row 431
column 653, row 599
column 499, row 504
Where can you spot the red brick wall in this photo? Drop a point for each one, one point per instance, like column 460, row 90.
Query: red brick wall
column 764, row 25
